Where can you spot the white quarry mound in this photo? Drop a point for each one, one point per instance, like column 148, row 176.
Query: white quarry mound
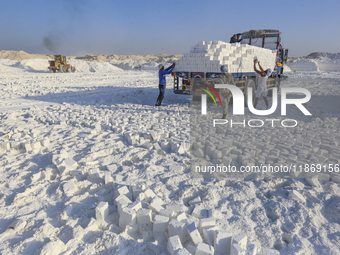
column 98, row 67
column 303, row 65
column 20, row 55
column 316, row 61
column 41, row 66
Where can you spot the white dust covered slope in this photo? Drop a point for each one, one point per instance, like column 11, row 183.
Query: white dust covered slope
column 21, row 55
column 88, row 66
column 303, row 65
column 134, row 62
column 211, row 55
column 41, row 66
column 326, row 62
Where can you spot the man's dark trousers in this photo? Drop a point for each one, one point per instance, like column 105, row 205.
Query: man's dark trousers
column 161, row 94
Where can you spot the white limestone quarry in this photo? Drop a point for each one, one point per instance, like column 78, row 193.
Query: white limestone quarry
column 89, row 189
column 209, row 56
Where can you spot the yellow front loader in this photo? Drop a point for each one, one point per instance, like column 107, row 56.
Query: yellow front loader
column 59, row 64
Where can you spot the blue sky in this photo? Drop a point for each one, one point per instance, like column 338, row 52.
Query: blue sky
column 80, row 27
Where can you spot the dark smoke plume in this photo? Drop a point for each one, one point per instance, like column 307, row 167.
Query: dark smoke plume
column 57, row 37
column 49, row 44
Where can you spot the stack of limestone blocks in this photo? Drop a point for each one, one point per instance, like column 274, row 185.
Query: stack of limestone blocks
column 171, row 225
column 209, row 56
column 23, row 141
column 160, row 140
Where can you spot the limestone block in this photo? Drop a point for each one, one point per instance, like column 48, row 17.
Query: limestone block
column 209, row 234
column 149, row 194
column 204, row 223
column 177, row 228
column 183, row 251
column 336, row 178
column 313, row 181
column 136, row 190
column 222, row 241
column 45, row 142
column 36, row 145
column 112, row 168
column 148, row 146
column 69, row 188
column 241, row 239
column 67, row 165
column 297, row 196
column 199, row 153
column 127, row 217
column 156, row 205
column 200, row 212
column 204, row 249
column 195, row 201
column 174, row 244
column 236, row 250
column 108, row 178
column 121, row 202
column 160, row 223
column 26, row 146
column 167, row 213
column 194, row 233
column 135, row 205
column 182, row 217
column 102, row 211
column 176, row 168
column 123, row 190
column 144, row 216
column 176, row 207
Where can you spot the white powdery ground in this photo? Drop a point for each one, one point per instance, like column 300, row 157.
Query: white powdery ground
column 108, row 125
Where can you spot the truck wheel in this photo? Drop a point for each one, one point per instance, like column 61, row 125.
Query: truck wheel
column 249, row 84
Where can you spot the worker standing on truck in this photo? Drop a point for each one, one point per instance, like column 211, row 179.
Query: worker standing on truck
column 162, row 82
column 262, row 83
column 235, row 38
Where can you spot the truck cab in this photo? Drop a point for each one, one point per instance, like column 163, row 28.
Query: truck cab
column 60, row 58
column 269, row 39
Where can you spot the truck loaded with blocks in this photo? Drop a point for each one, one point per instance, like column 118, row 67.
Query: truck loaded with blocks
column 206, row 60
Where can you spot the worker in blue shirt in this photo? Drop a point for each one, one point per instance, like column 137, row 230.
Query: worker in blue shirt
column 162, row 72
